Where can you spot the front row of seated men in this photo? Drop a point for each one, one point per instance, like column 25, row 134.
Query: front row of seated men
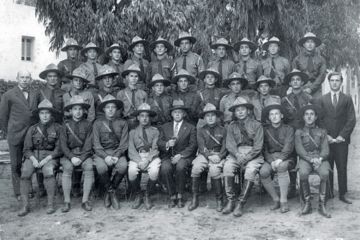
column 171, row 151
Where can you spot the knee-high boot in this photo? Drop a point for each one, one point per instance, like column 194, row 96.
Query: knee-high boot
column 244, row 196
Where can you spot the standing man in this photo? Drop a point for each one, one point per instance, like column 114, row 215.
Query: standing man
column 224, row 65
column 244, row 142
column 67, row 66
column 311, row 63
column 52, row 90
column 248, row 67
column 138, row 47
column 16, row 117
column 188, row 60
column 114, row 52
column 177, row 145
column 275, row 66
column 339, row 120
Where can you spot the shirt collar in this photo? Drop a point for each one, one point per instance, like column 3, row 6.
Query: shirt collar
column 337, row 93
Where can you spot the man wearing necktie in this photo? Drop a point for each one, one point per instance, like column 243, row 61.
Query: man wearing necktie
column 188, row 60
column 116, row 59
column 144, row 156
column 177, row 145
column 275, row 66
column 312, row 147
column 311, row 63
column 16, row 117
column 339, row 120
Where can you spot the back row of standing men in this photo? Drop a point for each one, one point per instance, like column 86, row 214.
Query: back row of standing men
column 165, row 80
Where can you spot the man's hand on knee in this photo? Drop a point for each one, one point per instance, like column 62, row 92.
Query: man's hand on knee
column 109, row 160
column 45, row 161
column 34, row 161
column 76, row 161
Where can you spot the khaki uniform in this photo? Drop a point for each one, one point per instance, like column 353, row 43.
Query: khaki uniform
column 55, row 96
column 292, row 104
column 161, row 105
column 224, row 66
column 92, row 71
column 88, row 98
column 251, row 69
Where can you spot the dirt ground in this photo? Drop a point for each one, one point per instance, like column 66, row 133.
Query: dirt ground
column 258, row 222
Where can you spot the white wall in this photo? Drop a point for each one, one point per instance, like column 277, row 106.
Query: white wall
column 18, row 20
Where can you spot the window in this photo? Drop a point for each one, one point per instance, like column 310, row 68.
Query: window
column 27, row 47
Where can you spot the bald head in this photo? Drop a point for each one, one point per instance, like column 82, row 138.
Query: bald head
column 24, row 78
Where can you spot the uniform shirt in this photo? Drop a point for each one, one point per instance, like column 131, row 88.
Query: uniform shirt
column 258, row 101
column 125, row 95
column 191, row 100
column 112, row 135
column 281, row 68
column 311, row 142
column 253, row 69
column 278, row 142
column 234, row 138
column 165, row 67
column 88, row 98
column 292, row 110
column 207, row 144
column 47, row 138
column 316, row 73
column 119, row 68
column 228, row 67
column 100, row 94
column 226, row 102
column 136, row 60
column 67, row 66
column 137, row 142
column 210, row 95
column 194, row 63
column 161, row 105
column 91, row 74
column 70, row 146
column 55, row 96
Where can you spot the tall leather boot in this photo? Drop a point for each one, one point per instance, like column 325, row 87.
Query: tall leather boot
column 50, row 186
column 112, row 191
column 216, row 184
column 230, row 194
column 203, row 182
column 104, row 180
column 244, row 196
column 25, row 185
column 117, row 180
column 195, row 193
column 147, row 201
column 292, row 185
column 322, row 199
column 306, row 195
column 40, row 180
column 139, row 196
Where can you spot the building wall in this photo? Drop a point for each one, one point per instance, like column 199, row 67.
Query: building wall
column 17, row 20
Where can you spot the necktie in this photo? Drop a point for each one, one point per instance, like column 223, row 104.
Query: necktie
column 26, row 93
column 310, row 64
column 296, row 102
column 72, row 66
column 244, row 68
column 176, row 130
column 95, row 69
column 117, row 68
column 158, row 100
column 263, row 102
column 335, row 100
column 272, row 72
column 212, row 95
column 141, row 61
column 133, row 92
column 220, row 67
column 160, row 68
column 52, row 96
column 145, row 136
column 184, row 62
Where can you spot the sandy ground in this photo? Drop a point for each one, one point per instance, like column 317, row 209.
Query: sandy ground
column 258, row 222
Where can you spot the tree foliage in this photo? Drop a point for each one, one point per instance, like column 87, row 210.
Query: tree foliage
column 336, row 22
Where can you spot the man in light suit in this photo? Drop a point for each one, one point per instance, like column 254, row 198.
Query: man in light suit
column 339, row 120
column 177, row 144
column 16, row 117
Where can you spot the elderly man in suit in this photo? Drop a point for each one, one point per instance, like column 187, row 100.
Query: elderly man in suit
column 339, row 120
column 16, row 117
column 177, row 145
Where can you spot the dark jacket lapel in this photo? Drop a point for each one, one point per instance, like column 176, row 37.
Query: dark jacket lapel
column 182, row 130
column 21, row 96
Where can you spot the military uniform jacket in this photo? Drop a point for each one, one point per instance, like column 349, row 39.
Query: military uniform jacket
column 212, row 139
column 278, row 142
column 110, row 135
column 125, row 95
column 88, row 98
column 119, row 68
column 191, row 100
column 253, row 69
column 43, row 137
column 137, row 142
column 185, row 145
column 226, row 102
column 76, row 139
column 165, row 67
column 67, row 66
column 16, row 113
column 161, row 105
column 210, row 95
column 316, row 73
column 311, row 142
column 258, row 101
column 292, row 109
column 91, row 72
column 135, row 60
column 281, row 68
column 254, row 138
column 228, row 67
column 194, row 63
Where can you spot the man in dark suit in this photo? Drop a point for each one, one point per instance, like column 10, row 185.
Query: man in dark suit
column 339, row 120
column 16, row 117
column 177, row 145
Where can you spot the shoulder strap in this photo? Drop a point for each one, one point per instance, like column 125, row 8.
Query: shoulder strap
column 73, row 133
column 110, row 129
column 40, row 131
column 129, row 99
column 212, row 137
column 291, row 105
column 312, row 140
column 273, row 139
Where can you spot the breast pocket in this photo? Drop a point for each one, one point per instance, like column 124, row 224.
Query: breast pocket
column 52, row 137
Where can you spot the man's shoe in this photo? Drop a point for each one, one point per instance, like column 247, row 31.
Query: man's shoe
column 24, row 211
column 50, row 209
column 284, row 207
column 181, row 203
column 66, row 207
column 107, row 201
column 276, row 205
column 86, row 206
column 345, row 200
column 172, row 203
column 138, row 201
column 114, row 201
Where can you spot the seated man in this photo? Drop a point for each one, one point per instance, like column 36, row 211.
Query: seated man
column 110, row 141
column 143, row 155
column 244, row 142
column 278, row 153
column 312, row 147
column 42, row 152
column 76, row 144
column 211, row 141
column 177, row 144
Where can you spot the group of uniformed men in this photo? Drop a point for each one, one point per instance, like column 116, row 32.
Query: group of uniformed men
column 165, row 119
